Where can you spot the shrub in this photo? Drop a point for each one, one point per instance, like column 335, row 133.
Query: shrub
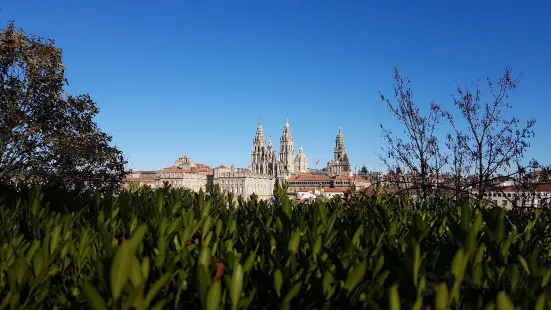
column 172, row 248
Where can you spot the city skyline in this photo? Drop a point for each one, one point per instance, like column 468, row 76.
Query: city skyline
column 194, row 78
column 298, row 147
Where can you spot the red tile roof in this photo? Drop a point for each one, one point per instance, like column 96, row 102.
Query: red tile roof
column 327, row 189
column 139, row 179
column 309, row 177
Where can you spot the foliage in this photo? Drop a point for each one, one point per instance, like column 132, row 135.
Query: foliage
column 46, row 133
column 172, row 248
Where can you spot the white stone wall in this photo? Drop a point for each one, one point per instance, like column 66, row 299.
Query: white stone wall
column 193, row 181
column 244, row 183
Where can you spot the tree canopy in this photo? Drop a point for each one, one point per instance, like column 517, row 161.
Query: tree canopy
column 46, row 133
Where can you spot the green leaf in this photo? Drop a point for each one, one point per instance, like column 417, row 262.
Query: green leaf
column 355, row 275
column 155, row 288
column 54, row 238
column 327, row 281
column 137, row 237
column 545, row 278
column 416, row 263
column 457, row 264
column 394, row 298
column 249, row 263
column 136, row 276
column 278, row 281
column 524, row 264
column 442, row 297
column 21, row 267
column 378, row 266
column 540, row 303
column 120, row 268
column 145, row 268
column 93, row 297
column 38, row 262
column 236, row 285
column 293, row 292
column 213, row 298
column 295, row 241
column 205, row 258
column 504, row 302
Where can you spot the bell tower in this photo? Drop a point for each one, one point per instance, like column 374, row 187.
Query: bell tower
column 286, row 149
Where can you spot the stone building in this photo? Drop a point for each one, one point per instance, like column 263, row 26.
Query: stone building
column 185, row 173
column 264, row 159
column 188, row 178
column 243, row 182
column 339, row 165
column 287, row 149
column 301, row 161
column 301, row 182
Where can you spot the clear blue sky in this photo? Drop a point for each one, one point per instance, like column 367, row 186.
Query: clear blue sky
column 194, row 77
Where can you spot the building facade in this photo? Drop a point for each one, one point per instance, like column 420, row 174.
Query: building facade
column 339, row 165
column 265, row 160
column 301, row 161
column 267, row 169
column 243, row 182
column 185, row 173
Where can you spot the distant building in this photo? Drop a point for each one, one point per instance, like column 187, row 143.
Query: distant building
column 301, row 161
column 301, row 182
column 510, row 196
column 264, row 159
column 339, row 165
column 266, row 170
column 194, row 176
column 191, row 178
column 243, row 182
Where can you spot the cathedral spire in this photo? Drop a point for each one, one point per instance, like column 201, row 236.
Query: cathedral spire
column 286, row 148
column 259, row 137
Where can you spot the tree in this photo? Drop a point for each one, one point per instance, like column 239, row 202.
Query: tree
column 44, row 132
column 418, row 151
column 488, row 141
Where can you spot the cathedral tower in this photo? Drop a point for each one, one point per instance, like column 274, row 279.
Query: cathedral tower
column 286, row 149
column 340, row 165
column 271, row 158
column 340, row 150
column 259, row 152
column 301, row 161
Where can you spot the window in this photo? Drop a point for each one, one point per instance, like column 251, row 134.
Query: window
column 504, row 202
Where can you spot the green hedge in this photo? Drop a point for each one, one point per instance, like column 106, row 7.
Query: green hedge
column 172, row 248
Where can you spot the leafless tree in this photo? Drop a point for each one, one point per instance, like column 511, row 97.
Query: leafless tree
column 418, row 151
column 490, row 142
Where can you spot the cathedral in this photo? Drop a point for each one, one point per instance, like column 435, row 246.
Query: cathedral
column 340, row 165
column 264, row 159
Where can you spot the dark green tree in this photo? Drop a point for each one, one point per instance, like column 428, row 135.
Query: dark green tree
column 46, row 133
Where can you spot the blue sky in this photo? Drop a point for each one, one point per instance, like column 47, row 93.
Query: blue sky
column 194, row 77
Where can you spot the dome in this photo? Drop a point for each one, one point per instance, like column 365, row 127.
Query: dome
column 300, row 154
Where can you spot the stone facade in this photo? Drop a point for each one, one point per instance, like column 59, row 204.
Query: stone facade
column 264, row 159
column 265, row 171
column 287, row 149
column 339, row 165
column 243, row 182
column 187, row 174
column 301, row 161
column 177, row 177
